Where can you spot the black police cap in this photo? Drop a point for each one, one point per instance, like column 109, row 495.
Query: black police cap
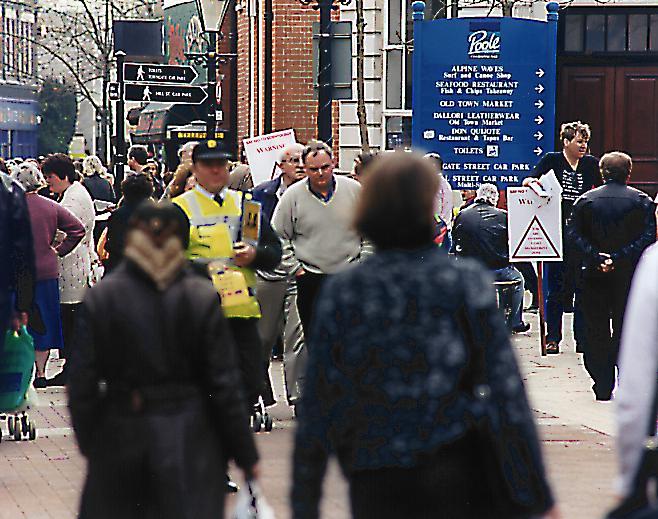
column 210, row 150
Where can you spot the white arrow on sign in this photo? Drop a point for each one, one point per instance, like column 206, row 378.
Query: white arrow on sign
column 539, row 104
column 539, row 119
column 538, row 135
column 538, row 151
column 539, row 88
column 540, row 72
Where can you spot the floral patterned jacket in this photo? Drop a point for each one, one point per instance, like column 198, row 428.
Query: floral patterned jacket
column 387, row 356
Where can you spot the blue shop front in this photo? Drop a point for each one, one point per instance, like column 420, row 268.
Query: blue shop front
column 19, row 112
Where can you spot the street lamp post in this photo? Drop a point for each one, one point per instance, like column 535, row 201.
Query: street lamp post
column 211, row 13
column 324, row 65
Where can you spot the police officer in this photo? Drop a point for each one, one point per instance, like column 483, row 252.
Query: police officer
column 215, row 215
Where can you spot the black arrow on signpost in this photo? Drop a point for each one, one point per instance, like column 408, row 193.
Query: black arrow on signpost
column 148, row 73
column 176, row 94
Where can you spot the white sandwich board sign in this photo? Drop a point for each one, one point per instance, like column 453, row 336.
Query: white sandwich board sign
column 534, row 221
column 263, row 153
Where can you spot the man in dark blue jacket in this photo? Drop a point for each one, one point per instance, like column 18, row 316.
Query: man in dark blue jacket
column 610, row 227
column 16, row 255
column 277, row 290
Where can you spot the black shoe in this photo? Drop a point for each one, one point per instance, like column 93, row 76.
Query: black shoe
column 604, row 398
column 532, row 309
column 552, row 348
column 40, row 383
column 58, row 380
column 231, row 486
column 520, row 328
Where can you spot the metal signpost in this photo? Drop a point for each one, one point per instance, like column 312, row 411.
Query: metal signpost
column 146, row 82
column 486, row 102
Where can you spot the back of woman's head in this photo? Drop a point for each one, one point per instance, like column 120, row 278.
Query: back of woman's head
column 397, row 201
column 136, row 188
column 92, row 165
column 28, row 175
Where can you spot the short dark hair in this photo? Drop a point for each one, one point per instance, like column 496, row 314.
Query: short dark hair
column 365, row 158
column 60, row 165
column 435, row 158
column 616, row 165
column 569, row 131
column 397, row 202
column 137, row 187
column 315, row 147
column 138, row 154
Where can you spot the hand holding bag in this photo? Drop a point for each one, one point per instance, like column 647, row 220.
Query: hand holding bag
column 251, row 503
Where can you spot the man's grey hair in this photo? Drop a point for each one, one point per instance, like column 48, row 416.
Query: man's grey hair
column 487, row 193
column 293, row 147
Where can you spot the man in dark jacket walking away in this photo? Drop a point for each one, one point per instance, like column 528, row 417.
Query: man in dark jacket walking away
column 610, row 227
column 155, row 393
column 480, row 232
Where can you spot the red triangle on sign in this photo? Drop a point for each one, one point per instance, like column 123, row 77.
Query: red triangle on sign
column 535, row 243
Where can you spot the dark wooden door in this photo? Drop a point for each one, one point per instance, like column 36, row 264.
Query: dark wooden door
column 620, row 103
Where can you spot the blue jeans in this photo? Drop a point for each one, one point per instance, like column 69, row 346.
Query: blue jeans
column 560, row 286
column 511, row 274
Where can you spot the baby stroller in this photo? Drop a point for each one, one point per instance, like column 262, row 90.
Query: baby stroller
column 16, row 374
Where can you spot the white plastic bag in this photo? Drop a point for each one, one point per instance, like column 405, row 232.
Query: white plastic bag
column 251, row 503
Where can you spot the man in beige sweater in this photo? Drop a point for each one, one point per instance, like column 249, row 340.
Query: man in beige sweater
column 314, row 220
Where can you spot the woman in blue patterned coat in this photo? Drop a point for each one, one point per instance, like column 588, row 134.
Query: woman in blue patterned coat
column 392, row 387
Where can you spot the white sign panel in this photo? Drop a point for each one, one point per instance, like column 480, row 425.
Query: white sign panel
column 263, row 153
column 534, row 221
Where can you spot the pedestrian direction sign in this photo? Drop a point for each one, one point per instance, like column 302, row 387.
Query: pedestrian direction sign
column 149, row 73
column 486, row 102
column 175, row 94
column 534, row 221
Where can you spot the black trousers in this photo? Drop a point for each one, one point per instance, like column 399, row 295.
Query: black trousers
column 449, row 484
column 69, row 314
column 248, row 343
column 603, row 304
column 529, row 279
column 308, row 288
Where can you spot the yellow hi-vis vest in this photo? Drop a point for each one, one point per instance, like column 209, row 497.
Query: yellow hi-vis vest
column 213, row 231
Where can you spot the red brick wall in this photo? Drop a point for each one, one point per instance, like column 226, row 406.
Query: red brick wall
column 293, row 105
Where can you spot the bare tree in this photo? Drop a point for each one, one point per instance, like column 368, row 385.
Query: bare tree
column 75, row 43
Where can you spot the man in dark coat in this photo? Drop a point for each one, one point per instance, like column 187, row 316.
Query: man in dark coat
column 17, row 270
column 277, row 288
column 610, row 227
column 155, row 393
column 480, row 232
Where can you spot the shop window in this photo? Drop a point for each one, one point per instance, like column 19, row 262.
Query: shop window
column 638, row 31
column 616, row 37
column 595, row 33
column 573, row 39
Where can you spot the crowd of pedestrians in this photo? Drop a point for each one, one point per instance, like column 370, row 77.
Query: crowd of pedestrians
column 167, row 295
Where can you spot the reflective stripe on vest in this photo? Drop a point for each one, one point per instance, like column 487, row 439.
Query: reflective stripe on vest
column 213, row 231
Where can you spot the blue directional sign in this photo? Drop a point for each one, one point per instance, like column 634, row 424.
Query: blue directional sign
column 484, row 95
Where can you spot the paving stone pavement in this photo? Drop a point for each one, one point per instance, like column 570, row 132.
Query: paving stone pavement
column 42, row 479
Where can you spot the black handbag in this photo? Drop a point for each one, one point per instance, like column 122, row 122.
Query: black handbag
column 516, row 491
column 642, row 501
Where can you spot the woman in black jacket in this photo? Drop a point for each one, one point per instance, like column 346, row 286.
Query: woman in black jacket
column 155, row 394
column 411, row 381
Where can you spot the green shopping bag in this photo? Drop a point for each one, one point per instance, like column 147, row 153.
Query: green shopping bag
column 16, row 365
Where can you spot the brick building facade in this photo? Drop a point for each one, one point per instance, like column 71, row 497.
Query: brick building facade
column 292, row 101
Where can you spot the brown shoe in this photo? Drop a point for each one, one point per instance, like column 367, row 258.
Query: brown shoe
column 552, row 348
